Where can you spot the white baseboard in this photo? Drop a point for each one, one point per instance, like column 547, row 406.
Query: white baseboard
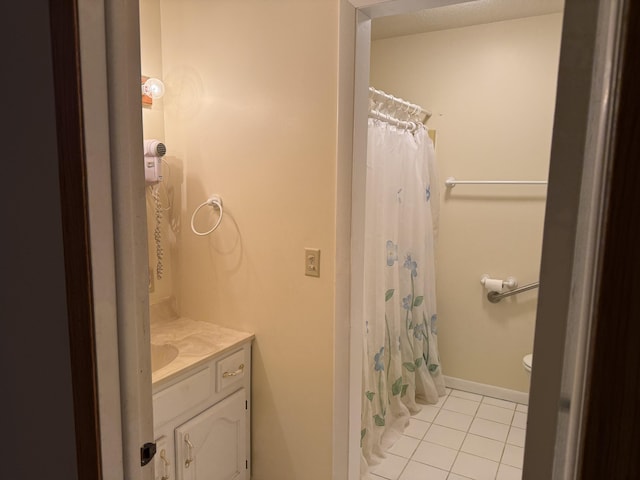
column 487, row 390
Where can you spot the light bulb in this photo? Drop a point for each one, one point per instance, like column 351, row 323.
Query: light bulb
column 153, row 88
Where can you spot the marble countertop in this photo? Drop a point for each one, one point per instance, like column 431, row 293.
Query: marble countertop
column 196, row 341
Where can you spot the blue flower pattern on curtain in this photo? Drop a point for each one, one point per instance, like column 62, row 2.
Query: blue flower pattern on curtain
column 401, row 364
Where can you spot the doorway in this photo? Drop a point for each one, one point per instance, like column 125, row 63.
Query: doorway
column 569, row 179
column 490, row 85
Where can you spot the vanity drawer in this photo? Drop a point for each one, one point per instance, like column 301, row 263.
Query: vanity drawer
column 182, row 396
column 231, row 370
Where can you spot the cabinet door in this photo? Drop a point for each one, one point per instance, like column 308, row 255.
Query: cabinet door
column 212, row 445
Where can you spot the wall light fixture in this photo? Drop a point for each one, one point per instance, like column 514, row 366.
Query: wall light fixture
column 151, row 88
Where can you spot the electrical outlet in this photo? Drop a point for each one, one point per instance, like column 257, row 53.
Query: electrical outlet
column 312, row 262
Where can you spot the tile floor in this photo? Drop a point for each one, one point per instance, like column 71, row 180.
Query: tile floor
column 464, row 436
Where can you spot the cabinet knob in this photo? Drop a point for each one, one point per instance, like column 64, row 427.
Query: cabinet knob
column 233, row 374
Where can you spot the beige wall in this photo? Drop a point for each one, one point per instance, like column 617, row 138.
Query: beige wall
column 491, row 89
column 250, row 114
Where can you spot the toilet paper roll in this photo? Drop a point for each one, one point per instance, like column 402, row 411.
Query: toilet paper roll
column 493, row 284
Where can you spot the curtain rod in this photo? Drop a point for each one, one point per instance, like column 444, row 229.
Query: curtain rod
column 409, row 108
column 410, row 126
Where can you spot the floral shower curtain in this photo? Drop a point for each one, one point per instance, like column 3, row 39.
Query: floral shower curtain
column 401, row 364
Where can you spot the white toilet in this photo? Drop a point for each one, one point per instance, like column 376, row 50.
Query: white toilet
column 527, row 361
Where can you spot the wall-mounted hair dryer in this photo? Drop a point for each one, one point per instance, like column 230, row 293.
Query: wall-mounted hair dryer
column 154, row 150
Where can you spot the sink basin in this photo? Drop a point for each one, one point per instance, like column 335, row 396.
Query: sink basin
column 162, row 355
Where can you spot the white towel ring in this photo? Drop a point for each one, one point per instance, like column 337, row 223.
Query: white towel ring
column 213, row 201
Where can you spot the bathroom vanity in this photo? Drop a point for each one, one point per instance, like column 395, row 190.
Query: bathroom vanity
column 201, row 400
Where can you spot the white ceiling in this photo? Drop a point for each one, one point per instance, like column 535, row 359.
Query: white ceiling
column 461, row 15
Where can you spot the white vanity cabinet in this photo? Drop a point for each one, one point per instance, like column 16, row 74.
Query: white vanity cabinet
column 202, row 418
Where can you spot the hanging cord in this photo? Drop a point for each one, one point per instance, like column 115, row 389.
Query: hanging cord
column 214, row 201
column 157, row 232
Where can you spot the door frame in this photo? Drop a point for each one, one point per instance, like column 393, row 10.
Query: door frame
column 72, row 176
column 576, row 211
column 99, row 123
column 610, row 427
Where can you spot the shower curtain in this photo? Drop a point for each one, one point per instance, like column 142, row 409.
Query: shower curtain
column 401, row 364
